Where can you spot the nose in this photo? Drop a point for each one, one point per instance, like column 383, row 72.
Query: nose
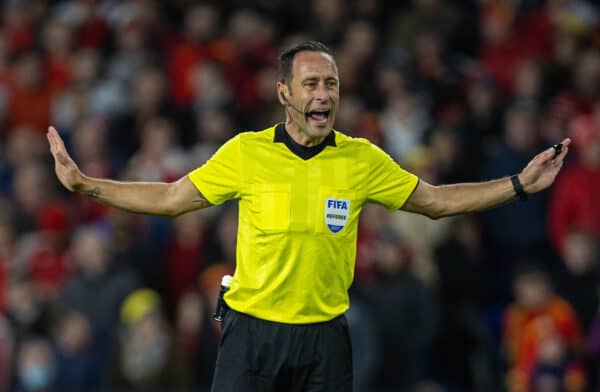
column 321, row 93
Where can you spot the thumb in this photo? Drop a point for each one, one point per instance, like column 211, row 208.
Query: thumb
column 548, row 154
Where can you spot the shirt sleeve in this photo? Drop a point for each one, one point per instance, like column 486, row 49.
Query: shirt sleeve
column 219, row 178
column 388, row 184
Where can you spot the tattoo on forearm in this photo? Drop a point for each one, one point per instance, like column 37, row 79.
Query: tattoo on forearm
column 95, row 193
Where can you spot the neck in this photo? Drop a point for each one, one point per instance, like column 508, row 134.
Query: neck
column 299, row 134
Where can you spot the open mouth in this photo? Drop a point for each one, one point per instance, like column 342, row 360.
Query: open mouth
column 318, row 116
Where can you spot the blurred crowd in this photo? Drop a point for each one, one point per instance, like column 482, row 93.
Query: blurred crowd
column 95, row 299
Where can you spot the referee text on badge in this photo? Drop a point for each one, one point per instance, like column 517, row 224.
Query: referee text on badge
column 336, row 214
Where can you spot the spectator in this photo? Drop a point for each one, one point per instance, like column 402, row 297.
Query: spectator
column 36, row 366
column 26, row 311
column 31, row 190
column 406, row 25
column 146, row 101
column 31, row 95
column 159, row 157
column 405, row 311
column 526, row 220
column 195, row 343
column 213, row 126
column 192, row 49
column 577, row 277
column 49, row 261
column 58, row 47
column 98, row 285
column 404, row 123
column 144, row 345
column 542, row 337
column 464, row 347
column 78, row 357
column 183, row 256
column 574, row 200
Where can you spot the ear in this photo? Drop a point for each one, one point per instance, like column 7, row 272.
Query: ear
column 282, row 92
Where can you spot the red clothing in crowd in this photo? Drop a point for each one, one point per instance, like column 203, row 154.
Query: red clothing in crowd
column 50, row 260
column 525, row 331
column 183, row 262
column 532, row 38
column 30, row 107
column 575, row 202
column 58, row 71
column 50, row 269
column 182, row 60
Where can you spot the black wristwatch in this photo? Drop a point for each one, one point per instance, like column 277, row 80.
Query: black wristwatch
column 521, row 195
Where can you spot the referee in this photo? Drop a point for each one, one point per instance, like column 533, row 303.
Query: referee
column 300, row 186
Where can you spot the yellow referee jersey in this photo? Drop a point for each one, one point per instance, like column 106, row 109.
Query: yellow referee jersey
column 298, row 218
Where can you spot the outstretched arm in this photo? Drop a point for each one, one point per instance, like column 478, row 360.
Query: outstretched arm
column 439, row 201
column 155, row 198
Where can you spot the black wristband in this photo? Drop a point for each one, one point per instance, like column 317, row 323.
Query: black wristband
column 518, row 187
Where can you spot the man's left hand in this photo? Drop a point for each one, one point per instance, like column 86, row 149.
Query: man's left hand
column 541, row 171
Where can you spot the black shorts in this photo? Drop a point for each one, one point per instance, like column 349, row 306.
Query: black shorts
column 263, row 356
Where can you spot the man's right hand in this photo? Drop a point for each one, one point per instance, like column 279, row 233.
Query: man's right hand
column 66, row 169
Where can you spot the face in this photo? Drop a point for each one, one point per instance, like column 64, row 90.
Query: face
column 313, row 89
column 531, row 291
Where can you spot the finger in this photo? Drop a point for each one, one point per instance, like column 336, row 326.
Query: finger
column 566, row 141
column 550, row 153
column 562, row 154
column 546, row 155
column 54, row 146
column 55, row 136
column 50, row 140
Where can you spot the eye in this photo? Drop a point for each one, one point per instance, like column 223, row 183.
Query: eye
column 310, row 85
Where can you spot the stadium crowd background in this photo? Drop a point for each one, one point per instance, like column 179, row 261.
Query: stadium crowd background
column 94, row 299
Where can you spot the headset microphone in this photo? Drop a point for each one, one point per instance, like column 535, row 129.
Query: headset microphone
column 290, row 105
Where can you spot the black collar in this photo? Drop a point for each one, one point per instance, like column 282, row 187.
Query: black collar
column 281, row 136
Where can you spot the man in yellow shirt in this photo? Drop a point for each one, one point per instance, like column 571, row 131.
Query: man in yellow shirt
column 300, row 186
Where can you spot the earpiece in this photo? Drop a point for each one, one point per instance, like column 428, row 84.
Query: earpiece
column 287, row 103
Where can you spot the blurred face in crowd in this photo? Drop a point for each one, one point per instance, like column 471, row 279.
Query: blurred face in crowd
column 528, row 80
column 22, row 301
column 190, row 313
column 360, row 40
column 587, row 73
column 35, row 365
column 57, row 38
column 313, row 95
column 73, row 333
column 148, row 90
column 580, row 252
column 531, row 290
column 520, row 132
column 590, row 154
column 28, row 71
column 24, row 146
column 201, row 22
column 31, row 186
column 90, row 248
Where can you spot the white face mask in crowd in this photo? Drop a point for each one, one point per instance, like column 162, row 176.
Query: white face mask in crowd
column 35, row 377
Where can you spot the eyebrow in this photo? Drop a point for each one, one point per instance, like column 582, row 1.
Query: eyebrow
column 316, row 78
